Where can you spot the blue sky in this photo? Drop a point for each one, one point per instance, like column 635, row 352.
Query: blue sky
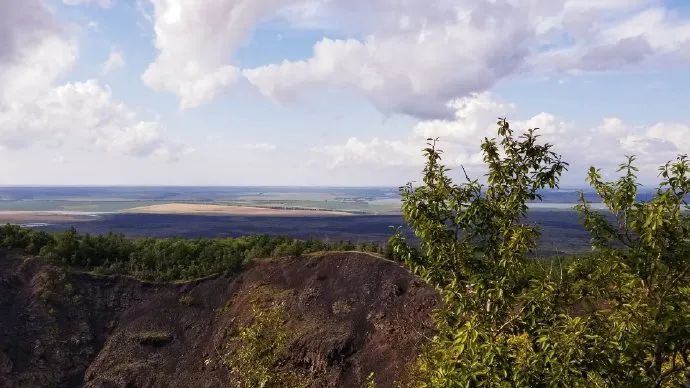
column 330, row 92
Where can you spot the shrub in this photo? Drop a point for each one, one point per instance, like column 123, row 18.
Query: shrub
column 260, row 344
column 618, row 317
column 187, row 300
column 153, row 338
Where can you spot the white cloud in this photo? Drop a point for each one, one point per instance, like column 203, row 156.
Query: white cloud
column 417, row 56
column 408, row 57
column 375, row 152
column 34, row 52
column 260, row 146
column 603, row 146
column 635, row 144
column 549, row 125
column 619, row 35
column 414, row 67
column 195, row 40
column 612, row 126
column 100, row 3
column 116, row 60
column 83, row 114
column 475, row 118
column 142, row 9
column 674, row 134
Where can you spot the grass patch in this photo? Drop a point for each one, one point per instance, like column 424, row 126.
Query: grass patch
column 153, row 337
column 261, row 344
column 187, row 300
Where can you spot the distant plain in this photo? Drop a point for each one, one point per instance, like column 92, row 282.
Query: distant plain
column 358, row 214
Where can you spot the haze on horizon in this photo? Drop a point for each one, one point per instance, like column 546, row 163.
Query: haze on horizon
column 331, row 92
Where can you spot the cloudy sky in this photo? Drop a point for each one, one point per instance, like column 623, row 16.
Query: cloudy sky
column 331, row 92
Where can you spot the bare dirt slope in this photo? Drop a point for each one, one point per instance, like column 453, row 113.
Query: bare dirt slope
column 348, row 314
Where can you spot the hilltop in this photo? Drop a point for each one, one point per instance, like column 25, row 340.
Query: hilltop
column 343, row 316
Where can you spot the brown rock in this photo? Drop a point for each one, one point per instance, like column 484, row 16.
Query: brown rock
column 348, row 314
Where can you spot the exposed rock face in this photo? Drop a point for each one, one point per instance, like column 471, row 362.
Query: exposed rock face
column 347, row 315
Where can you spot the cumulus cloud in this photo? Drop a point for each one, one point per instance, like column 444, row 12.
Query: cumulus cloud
column 674, row 133
column 417, row 56
column 474, row 118
column 100, row 3
column 642, row 34
column 195, row 40
column 377, row 152
column 604, row 145
column 260, row 146
column 116, row 60
column 408, row 57
column 82, row 114
column 416, row 65
column 34, row 52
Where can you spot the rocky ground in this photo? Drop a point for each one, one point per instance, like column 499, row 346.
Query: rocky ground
column 346, row 315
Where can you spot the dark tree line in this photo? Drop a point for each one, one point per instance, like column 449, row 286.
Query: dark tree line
column 162, row 259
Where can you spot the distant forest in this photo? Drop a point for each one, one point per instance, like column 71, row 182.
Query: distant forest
column 162, row 260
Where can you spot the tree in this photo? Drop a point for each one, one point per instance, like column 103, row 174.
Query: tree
column 616, row 317
column 648, row 245
column 474, row 243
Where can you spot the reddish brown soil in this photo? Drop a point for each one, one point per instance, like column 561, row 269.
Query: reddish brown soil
column 348, row 314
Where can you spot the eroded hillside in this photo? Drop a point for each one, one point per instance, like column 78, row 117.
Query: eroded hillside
column 343, row 316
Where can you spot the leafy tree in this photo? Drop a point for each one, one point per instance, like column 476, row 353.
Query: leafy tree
column 474, row 243
column 64, row 247
column 617, row 317
column 647, row 244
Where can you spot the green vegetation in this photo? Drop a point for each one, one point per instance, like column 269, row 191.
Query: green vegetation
column 153, row 338
column 371, row 381
column 168, row 259
column 260, row 344
column 53, row 288
column 619, row 316
column 187, row 300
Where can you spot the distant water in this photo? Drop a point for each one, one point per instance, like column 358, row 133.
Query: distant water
column 562, row 206
column 105, row 200
column 34, row 225
column 191, row 193
column 224, row 193
column 98, row 210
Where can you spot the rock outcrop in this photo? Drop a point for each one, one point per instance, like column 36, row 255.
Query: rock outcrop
column 347, row 315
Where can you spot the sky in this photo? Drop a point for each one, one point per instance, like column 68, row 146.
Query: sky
column 332, row 92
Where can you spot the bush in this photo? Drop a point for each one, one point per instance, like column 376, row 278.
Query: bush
column 187, row 300
column 618, row 317
column 260, row 345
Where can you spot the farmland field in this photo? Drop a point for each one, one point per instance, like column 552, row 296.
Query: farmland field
column 356, row 214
